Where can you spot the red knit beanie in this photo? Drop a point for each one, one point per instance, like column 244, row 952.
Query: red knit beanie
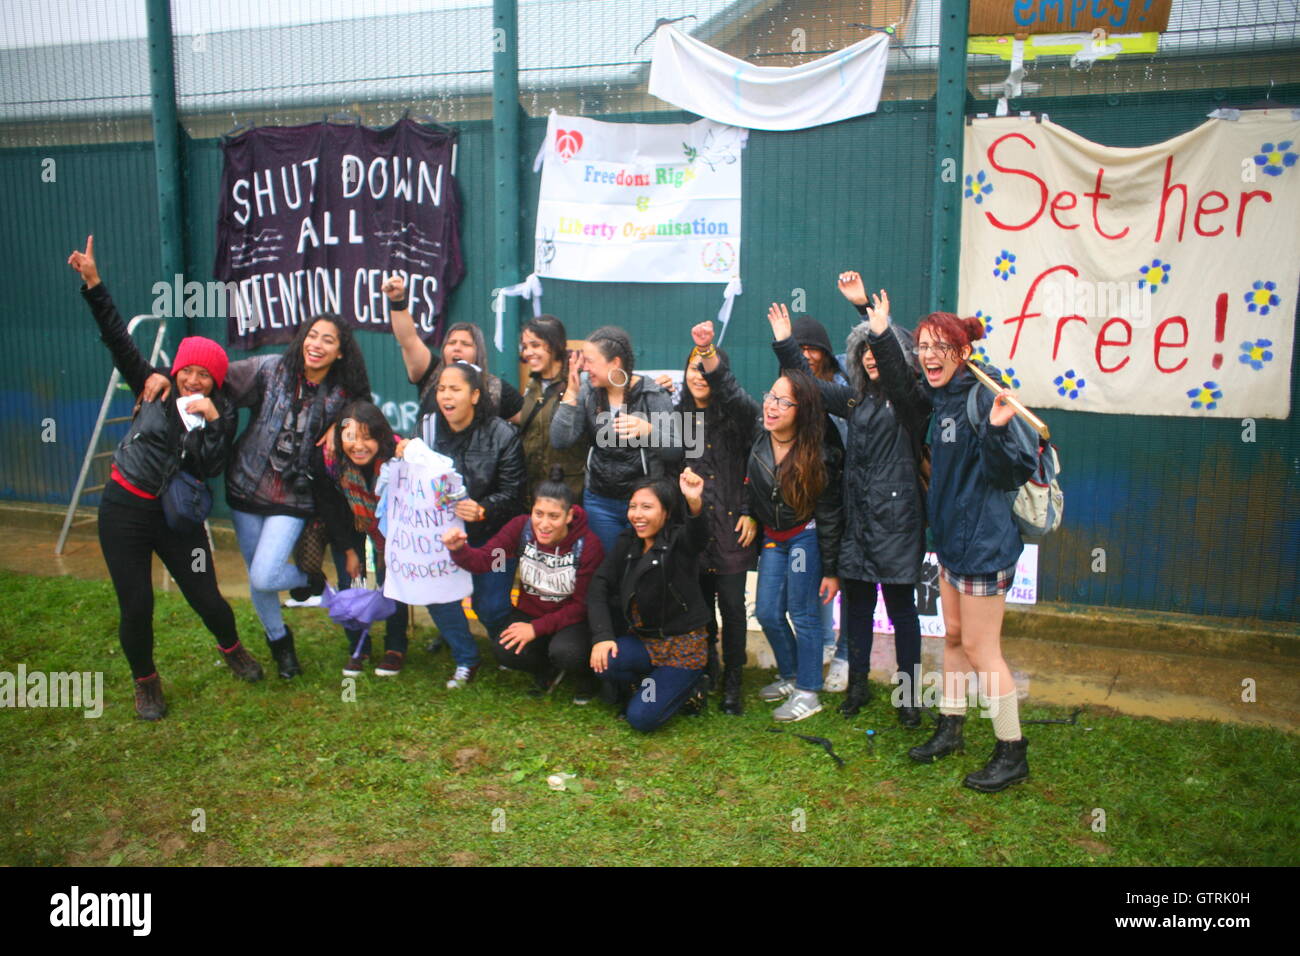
column 206, row 353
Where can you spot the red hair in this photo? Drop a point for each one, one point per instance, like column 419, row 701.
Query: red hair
column 952, row 329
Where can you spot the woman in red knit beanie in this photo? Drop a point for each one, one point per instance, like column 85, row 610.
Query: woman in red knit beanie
column 190, row 432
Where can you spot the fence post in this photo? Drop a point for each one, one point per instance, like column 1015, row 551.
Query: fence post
column 949, row 132
column 166, row 140
column 505, row 154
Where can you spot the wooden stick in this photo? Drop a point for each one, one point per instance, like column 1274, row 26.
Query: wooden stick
column 1035, row 422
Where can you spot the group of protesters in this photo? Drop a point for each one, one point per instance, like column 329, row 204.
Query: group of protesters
column 631, row 557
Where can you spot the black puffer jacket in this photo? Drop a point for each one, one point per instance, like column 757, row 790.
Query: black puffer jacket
column 884, row 534
column 664, row 580
column 765, row 502
column 156, row 443
column 490, row 460
column 614, row 466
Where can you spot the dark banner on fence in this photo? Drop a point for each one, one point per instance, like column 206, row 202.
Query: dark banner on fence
column 313, row 219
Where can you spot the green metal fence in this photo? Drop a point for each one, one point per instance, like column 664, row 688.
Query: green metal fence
column 1192, row 519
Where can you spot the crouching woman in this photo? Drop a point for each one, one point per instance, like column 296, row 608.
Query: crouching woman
column 648, row 618
column 546, row 634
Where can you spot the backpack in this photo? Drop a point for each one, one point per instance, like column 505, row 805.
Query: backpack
column 1038, row 504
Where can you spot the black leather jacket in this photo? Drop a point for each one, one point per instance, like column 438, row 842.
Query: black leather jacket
column 664, row 580
column 156, row 443
column 765, row 502
column 490, row 460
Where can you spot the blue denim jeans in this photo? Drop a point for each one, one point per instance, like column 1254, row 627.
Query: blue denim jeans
column 607, row 517
column 660, row 691
column 491, row 603
column 267, row 543
column 789, row 576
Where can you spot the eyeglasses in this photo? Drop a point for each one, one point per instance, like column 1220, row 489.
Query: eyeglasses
column 782, row 403
column 942, row 348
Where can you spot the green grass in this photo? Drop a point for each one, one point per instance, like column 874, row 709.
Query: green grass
column 286, row 772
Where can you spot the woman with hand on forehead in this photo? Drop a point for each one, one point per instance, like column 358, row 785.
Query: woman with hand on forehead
column 626, row 419
column 975, row 461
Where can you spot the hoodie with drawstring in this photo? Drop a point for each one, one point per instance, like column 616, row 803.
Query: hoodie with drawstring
column 553, row 579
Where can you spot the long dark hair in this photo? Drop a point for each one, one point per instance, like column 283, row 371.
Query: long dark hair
column 614, row 343
column 348, row 370
column 367, row 415
column 802, row 475
column 730, row 433
column 553, row 335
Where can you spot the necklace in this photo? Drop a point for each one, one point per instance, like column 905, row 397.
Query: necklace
column 781, row 441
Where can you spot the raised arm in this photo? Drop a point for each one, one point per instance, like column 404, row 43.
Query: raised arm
column 900, row 383
column 415, row 354
column 126, row 357
column 837, row 398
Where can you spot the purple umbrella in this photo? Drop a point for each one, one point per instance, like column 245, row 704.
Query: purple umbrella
column 357, row 609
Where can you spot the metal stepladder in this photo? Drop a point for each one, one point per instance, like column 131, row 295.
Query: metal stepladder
column 92, row 455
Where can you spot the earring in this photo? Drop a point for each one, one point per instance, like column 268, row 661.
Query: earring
column 626, row 378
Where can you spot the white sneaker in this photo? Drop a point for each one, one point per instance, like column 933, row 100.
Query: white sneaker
column 837, row 678
column 802, row 703
column 462, row 677
column 828, row 653
column 779, row 689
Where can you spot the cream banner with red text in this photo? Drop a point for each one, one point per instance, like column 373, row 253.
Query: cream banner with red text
column 1159, row 280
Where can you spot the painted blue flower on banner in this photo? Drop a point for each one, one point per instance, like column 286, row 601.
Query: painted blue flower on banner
column 1155, row 275
column 980, row 356
column 978, row 186
column 987, row 321
column 1256, row 353
column 1262, row 297
column 1276, row 158
column 1207, row 396
column 1004, row 266
column 1069, row 385
column 1009, row 378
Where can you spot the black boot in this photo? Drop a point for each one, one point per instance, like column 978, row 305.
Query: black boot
column 732, row 680
column 909, row 717
column 283, row 653
column 149, row 703
column 315, row 585
column 713, row 669
column 1008, row 765
column 947, row 739
column 857, row 696
column 698, row 702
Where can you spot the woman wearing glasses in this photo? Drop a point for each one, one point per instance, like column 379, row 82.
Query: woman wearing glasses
column 793, row 477
column 976, row 460
column 884, row 534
